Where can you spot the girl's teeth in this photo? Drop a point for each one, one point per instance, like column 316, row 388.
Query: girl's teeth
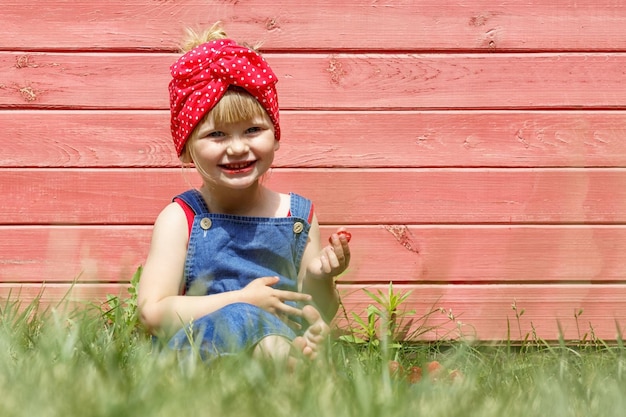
column 238, row 166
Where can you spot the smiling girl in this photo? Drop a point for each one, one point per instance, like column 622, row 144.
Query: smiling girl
column 233, row 263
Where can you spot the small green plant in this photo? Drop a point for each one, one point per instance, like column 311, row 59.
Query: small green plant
column 390, row 314
column 519, row 312
column 122, row 313
column 384, row 320
column 24, row 323
column 577, row 314
column 387, row 328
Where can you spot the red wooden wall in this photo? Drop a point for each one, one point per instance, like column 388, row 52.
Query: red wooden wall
column 476, row 150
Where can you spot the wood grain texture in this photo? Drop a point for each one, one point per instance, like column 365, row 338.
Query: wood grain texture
column 439, row 254
column 330, row 81
column 485, row 312
column 389, row 196
column 475, row 150
column 84, row 254
column 314, row 139
column 480, row 25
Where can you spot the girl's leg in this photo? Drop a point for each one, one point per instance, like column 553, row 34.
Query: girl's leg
column 277, row 348
column 281, row 349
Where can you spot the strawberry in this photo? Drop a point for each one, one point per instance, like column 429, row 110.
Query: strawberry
column 340, row 233
column 433, row 367
column 395, row 369
column 434, row 370
column 415, row 375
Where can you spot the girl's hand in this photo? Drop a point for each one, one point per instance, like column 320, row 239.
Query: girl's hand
column 341, row 232
column 261, row 294
column 334, row 258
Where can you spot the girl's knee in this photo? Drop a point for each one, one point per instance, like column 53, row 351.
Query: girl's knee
column 274, row 347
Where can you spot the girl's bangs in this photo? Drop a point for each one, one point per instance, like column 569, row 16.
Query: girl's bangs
column 236, row 105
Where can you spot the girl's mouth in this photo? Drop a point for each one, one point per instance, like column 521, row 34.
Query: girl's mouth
column 238, row 167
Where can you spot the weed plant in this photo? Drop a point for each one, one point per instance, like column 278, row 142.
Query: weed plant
column 96, row 361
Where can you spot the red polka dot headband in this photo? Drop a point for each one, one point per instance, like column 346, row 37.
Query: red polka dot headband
column 202, row 76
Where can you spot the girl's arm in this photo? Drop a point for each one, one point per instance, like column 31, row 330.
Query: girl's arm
column 319, row 268
column 161, row 307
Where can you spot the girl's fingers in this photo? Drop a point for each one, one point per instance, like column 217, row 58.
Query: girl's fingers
column 340, row 233
column 345, row 254
column 337, row 257
column 325, row 263
column 267, row 281
column 290, row 311
column 341, row 249
column 333, row 258
column 292, row 296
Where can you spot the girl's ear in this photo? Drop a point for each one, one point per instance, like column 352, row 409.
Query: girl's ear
column 276, row 145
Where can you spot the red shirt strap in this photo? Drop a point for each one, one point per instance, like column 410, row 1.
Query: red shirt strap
column 188, row 213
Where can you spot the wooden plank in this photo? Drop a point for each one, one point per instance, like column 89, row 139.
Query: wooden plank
column 70, row 139
column 398, row 25
column 331, row 139
column 335, row 81
column 487, row 254
column 485, row 312
column 389, row 196
column 48, row 80
column 403, row 254
column 63, row 297
column 63, row 254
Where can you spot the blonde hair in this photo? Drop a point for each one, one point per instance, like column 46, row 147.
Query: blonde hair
column 193, row 38
column 215, row 32
column 236, row 104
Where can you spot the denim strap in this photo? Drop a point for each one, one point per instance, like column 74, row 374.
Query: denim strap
column 301, row 207
column 193, row 198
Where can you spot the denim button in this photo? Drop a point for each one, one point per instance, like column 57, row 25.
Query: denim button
column 206, row 223
column 298, row 227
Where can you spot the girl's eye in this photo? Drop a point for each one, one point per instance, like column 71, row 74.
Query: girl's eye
column 215, row 135
column 254, row 129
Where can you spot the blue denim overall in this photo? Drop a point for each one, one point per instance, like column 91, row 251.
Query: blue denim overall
column 226, row 253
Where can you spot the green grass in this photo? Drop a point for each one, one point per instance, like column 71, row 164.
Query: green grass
column 97, row 363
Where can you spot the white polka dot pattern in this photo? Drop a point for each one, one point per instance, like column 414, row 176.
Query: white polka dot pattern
column 201, row 77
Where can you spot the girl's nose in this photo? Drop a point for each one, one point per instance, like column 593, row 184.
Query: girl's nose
column 237, row 146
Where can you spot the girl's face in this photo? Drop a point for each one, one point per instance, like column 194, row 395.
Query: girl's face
column 234, row 155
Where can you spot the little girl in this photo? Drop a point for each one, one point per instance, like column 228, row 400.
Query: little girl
column 234, row 266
